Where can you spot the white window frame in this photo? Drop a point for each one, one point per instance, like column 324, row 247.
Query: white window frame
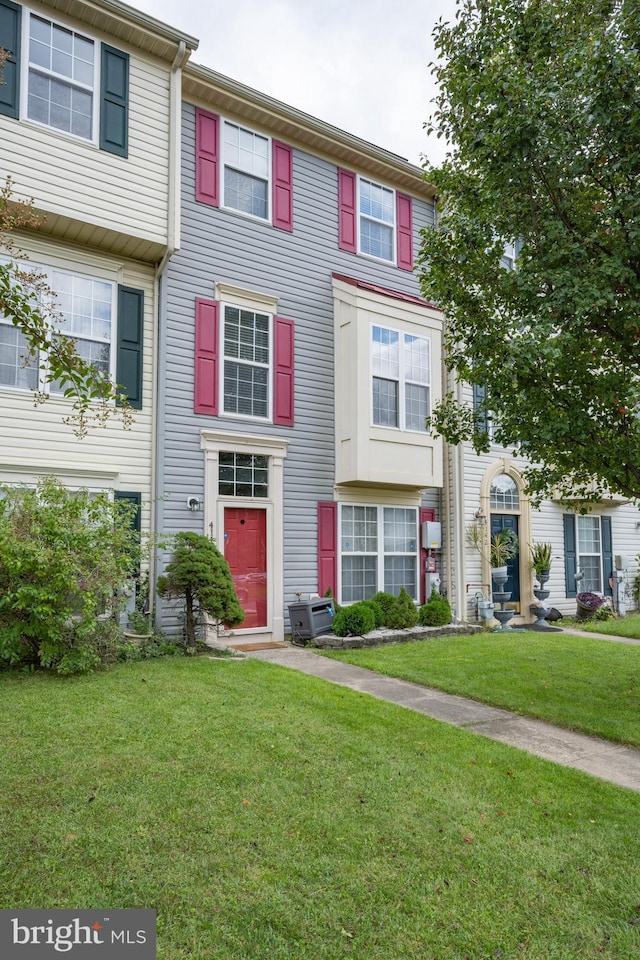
column 380, row 554
column 362, row 216
column 224, row 122
column 255, row 309
column 585, row 585
column 46, row 271
column 27, row 14
column 402, row 380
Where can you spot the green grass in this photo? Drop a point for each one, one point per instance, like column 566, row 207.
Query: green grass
column 576, row 682
column 267, row 815
column 628, row 626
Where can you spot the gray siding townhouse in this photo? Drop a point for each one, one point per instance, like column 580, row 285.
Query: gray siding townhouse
column 297, row 359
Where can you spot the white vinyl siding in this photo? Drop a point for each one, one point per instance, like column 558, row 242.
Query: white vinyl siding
column 128, row 196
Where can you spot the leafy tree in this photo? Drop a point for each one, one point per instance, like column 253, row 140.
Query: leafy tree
column 540, row 103
column 64, row 555
column 198, row 574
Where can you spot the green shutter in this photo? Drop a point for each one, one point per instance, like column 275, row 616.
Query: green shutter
column 480, row 415
column 570, row 559
column 607, row 555
column 114, row 101
column 10, row 21
column 136, row 519
column 129, row 351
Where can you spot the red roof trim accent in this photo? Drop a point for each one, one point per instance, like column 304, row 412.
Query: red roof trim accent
column 384, row 291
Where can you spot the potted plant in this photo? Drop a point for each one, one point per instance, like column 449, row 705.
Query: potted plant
column 541, row 560
column 503, row 547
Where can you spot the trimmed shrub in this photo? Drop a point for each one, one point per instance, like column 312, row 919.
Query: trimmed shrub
column 199, row 575
column 377, row 612
column 403, row 613
column 355, row 620
column 386, row 602
column 436, row 612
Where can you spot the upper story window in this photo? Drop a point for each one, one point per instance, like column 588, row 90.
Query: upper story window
column 243, row 357
column 400, row 368
column 63, row 79
column 252, row 173
column 247, row 362
column 374, row 220
column 377, row 220
column 246, row 171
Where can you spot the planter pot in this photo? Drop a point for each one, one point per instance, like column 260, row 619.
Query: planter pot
column 499, row 573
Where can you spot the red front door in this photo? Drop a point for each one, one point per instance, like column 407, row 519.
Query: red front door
column 245, row 550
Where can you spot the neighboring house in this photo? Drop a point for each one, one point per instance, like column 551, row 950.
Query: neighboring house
column 89, row 114
column 297, row 360
column 488, row 491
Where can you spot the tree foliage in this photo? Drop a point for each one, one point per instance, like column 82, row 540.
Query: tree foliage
column 64, row 557
column 198, row 574
column 540, row 103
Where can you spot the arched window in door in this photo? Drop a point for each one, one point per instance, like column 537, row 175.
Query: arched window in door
column 503, row 494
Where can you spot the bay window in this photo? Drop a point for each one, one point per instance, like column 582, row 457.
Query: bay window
column 400, row 366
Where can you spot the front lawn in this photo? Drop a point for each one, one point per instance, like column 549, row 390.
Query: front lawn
column 628, row 626
column 267, row 815
column 577, row 682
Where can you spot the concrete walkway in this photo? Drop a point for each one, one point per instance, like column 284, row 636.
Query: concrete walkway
column 602, row 759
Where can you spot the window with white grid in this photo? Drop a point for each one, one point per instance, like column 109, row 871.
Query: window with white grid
column 86, row 315
column 400, row 367
column 378, row 551
column 247, row 356
column 243, row 475
column 589, row 542
column 83, row 309
column 246, row 170
column 503, row 494
column 377, row 219
column 61, row 78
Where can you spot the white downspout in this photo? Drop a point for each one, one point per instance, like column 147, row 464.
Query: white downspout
column 173, row 244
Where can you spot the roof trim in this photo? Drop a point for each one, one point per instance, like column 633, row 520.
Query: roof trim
column 384, row 291
column 225, row 94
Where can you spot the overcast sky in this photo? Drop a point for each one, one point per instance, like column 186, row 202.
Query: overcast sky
column 361, row 65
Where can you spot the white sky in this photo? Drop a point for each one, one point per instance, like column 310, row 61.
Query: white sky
column 361, row 65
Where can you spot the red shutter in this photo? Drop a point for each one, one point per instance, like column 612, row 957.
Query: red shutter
column 426, row 513
column 283, row 371
column 327, row 547
column 207, row 127
column 282, row 170
column 404, row 218
column 206, row 358
column 347, row 210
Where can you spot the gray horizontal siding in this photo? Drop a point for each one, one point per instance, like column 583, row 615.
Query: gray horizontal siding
column 219, row 245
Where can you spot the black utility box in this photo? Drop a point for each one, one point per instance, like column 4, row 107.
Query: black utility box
column 310, row 618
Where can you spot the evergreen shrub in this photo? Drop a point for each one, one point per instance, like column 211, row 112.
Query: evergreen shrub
column 436, row 612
